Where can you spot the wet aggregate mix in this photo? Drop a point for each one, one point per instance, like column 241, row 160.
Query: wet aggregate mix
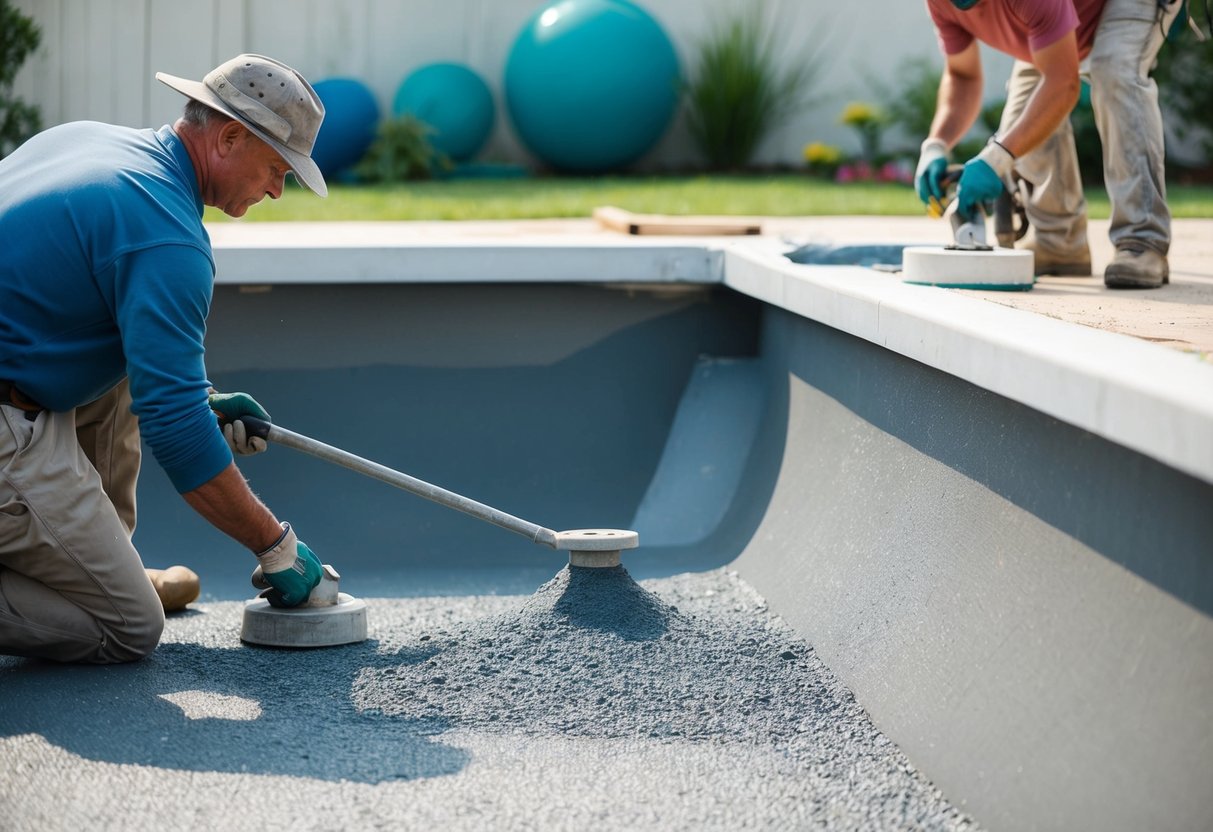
column 594, row 654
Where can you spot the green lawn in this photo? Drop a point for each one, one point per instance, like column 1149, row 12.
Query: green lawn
column 535, row 198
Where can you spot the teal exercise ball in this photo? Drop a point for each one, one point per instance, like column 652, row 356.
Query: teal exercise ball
column 591, row 85
column 455, row 101
column 351, row 117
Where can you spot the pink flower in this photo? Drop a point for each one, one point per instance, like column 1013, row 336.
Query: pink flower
column 896, row 172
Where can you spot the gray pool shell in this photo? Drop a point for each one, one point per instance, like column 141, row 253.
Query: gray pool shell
column 550, row 403
column 995, row 586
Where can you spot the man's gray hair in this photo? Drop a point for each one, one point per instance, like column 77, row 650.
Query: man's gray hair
column 198, row 114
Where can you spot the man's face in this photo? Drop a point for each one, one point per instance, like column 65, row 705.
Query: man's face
column 250, row 171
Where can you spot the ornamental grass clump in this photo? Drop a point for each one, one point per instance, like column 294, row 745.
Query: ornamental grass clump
column 740, row 89
column 402, row 151
column 19, row 37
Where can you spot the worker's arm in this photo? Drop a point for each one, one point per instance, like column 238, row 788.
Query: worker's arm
column 1053, row 99
column 987, row 174
column 228, row 504
column 960, row 93
column 956, row 108
column 161, row 296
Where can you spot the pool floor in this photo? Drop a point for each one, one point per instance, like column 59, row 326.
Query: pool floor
column 595, row 702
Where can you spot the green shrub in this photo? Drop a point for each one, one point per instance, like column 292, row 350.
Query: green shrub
column 19, row 36
column 911, row 105
column 1185, row 81
column 402, row 150
column 737, row 92
column 1086, row 139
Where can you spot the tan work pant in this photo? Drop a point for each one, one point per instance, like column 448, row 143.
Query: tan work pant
column 72, row 586
column 1125, row 100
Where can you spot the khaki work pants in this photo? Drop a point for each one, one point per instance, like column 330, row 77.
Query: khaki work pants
column 1125, row 100
column 72, row 586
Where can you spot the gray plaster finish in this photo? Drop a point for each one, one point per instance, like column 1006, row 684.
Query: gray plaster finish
column 703, row 464
column 553, row 404
column 680, row 703
column 1026, row 608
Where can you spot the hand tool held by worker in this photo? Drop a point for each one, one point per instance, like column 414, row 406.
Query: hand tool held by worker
column 930, row 179
column 290, row 568
column 983, row 180
column 229, row 407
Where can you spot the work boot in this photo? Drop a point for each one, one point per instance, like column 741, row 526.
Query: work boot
column 1076, row 264
column 1136, row 267
column 177, row 586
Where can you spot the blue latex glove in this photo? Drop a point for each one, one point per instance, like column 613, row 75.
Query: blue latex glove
column 290, row 568
column 931, row 172
column 981, row 181
column 229, row 407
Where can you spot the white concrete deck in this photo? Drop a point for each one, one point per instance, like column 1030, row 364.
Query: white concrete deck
column 1178, row 315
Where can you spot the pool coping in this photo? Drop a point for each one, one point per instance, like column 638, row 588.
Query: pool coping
column 1152, row 399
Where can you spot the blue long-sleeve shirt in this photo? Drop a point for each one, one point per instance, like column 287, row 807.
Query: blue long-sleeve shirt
column 106, row 271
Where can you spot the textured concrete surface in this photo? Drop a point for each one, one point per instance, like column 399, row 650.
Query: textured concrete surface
column 595, row 702
column 1178, row 315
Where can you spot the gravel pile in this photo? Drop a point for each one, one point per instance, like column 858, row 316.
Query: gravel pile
column 594, row 654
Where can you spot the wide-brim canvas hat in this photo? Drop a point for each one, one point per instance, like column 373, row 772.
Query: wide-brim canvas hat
column 273, row 101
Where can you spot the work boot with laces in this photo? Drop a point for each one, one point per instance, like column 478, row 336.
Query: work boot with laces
column 1074, row 264
column 1136, row 267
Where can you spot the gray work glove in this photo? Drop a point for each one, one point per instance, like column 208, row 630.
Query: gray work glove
column 288, row 570
column 229, row 407
column 930, row 179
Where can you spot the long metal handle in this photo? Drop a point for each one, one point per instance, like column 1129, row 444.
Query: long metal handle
column 282, row 436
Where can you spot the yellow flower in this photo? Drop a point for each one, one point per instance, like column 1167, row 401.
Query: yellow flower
column 818, row 153
column 859, row 114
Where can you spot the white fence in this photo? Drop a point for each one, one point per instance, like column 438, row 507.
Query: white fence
column 98, row 57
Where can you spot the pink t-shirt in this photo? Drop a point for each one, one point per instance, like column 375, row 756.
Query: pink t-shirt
column 1016, row 27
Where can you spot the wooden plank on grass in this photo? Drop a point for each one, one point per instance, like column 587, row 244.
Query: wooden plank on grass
column 626, row 222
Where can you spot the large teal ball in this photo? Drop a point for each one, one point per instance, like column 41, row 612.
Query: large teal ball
column 453, row 100
column 351, row 117
column 591, row 85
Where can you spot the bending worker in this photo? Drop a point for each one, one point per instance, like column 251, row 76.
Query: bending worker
column 105, row 284
column 1119, row 40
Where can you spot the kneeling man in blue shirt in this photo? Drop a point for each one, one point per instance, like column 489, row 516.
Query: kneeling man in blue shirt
column 105, row 285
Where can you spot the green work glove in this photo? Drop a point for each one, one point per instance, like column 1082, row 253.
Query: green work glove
column 229, row 407
column 931, row 175
column 983, row 180
column 290, row 568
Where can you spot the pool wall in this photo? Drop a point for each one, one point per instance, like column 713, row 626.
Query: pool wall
column 994, row 528
column 1023, row 606
column 551, row 402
